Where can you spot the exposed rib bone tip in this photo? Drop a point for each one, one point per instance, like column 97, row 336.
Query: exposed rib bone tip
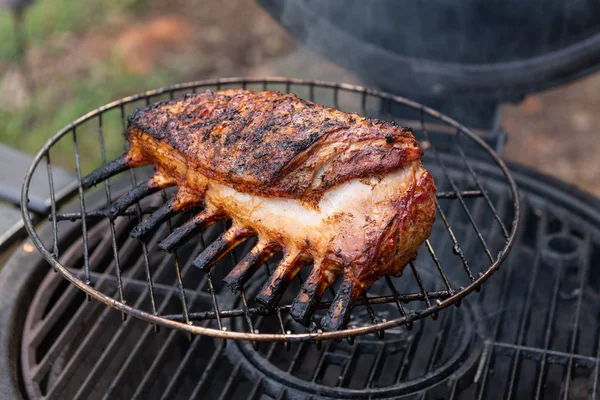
column 311, row 292
column 137, row 233
column 185, row 232
column 144, row 228
column 273, row 289
column 302, row 311
column 339, row 312
column 113, row 211
column 217, row 249
column 233, row 286
column 243, row 271
column 144, row 189
column 112, row 168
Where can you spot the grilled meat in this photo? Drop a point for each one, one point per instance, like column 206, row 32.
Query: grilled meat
column 344, row 193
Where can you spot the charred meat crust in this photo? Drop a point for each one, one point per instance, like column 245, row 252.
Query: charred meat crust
column 388, row 249
column 273, row 144
column 408, row 228
column 346, row 193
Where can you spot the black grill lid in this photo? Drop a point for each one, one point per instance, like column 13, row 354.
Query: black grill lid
column 501, row 50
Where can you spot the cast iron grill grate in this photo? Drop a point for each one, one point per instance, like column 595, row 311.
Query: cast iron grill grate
column 480, row 239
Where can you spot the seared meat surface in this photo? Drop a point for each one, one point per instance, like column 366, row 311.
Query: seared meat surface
column 343, row 193
column 273, row 144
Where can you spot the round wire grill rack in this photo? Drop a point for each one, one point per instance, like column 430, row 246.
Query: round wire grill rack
column 477, row 251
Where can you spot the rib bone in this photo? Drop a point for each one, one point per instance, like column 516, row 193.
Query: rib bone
column 275, row 286
column 224, row 243
column 152, row 185
column 340, row 310
column 313, row 288
column 185, row 232
column 183, row 200
column 117, row 165
column 239, row 275
column 130, row 159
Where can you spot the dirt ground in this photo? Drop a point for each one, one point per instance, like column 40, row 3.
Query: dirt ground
column 558, row 132
column 555, row 132
column 186, row 42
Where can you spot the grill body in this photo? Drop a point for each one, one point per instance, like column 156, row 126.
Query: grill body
column 406, row 335
column 533, row 330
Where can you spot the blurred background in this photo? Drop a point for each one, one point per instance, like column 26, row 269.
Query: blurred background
column 61, row 58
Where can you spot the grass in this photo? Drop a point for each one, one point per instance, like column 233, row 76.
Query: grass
column 55, row 104
column 48, row 17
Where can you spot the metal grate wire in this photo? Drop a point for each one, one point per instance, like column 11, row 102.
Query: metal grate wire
column 432, row 300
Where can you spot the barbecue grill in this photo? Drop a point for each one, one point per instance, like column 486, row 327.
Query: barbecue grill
column 475, row 259
column 476, row 227
column 532, row 333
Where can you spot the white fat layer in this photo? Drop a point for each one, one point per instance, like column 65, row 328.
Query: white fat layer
column 300, row 222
